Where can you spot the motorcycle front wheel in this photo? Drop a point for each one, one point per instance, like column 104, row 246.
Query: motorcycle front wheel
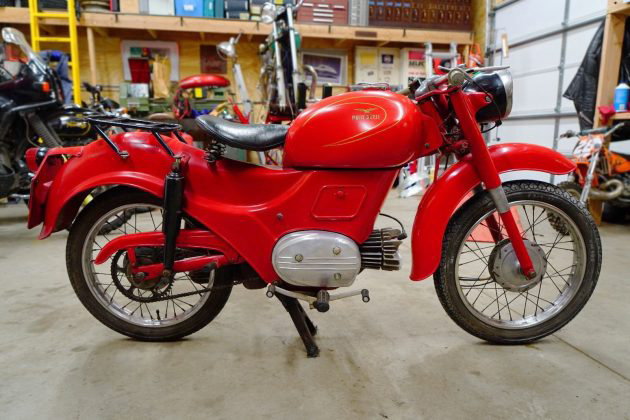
column 145, row 310
column 479, row 282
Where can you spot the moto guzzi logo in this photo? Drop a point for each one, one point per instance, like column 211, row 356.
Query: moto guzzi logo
column 367, row 114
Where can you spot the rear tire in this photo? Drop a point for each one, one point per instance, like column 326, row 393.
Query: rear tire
column 79, row 234
column 465, row 220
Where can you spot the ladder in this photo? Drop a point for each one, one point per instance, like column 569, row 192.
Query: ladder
column 70, row 15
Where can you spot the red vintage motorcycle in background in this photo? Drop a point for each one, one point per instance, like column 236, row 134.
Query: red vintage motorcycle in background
column 501, row 271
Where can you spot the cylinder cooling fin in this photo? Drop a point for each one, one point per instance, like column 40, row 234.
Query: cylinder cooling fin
column 380, row 251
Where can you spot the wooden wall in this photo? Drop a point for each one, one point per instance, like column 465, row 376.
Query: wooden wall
column 479, row 22
column 110, row 67
column 109, row 61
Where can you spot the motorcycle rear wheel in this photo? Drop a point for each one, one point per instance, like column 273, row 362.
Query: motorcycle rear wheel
column 480, row 299
column 105, row 298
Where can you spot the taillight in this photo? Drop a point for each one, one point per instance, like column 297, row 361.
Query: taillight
column 34, row 157
column 45, row 87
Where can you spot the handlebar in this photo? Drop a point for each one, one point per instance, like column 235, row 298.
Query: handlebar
column 455, row 76
column 601, row 130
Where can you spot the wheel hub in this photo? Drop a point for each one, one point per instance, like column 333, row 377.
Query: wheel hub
column 506, row 270
column 156, row 287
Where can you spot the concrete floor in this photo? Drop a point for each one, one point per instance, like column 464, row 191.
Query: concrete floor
column 398, row 357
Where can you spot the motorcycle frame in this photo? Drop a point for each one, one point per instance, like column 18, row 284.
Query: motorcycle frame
column 229, row 198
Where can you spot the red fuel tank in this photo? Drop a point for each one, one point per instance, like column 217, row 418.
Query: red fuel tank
column 366, row 129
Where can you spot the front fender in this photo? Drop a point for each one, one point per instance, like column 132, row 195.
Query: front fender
column 58, row 190
column 443, row 197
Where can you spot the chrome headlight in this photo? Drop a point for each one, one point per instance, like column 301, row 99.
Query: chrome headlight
column 501, row 86
column 268, row 13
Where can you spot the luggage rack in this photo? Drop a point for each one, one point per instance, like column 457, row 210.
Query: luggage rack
column 156, row 128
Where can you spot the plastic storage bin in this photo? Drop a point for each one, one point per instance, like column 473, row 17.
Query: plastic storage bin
column 208, row 8
column 189, row 7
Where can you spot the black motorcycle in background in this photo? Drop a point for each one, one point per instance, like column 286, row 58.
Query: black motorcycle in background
column 33, row 113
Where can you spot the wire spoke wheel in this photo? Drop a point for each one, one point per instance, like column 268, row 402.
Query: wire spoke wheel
column 149, row 309
column 501, row 302
column 479, row 281
column 118, row 291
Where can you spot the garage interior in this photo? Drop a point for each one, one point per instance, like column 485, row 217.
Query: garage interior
column 396, row 356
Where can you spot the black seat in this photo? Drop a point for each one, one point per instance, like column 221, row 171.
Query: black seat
column 244, row 136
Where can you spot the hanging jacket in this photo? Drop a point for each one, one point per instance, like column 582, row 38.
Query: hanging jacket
column 583, row 88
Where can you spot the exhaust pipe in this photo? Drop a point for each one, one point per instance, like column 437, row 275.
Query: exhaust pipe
column 603, row 195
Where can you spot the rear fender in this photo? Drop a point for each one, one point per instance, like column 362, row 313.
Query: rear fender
column 446, row 194
column 58, row 188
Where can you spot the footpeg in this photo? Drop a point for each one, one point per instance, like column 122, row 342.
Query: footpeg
column 322, row 304
column 302, row 322
column 365, row 295
column 322, row 300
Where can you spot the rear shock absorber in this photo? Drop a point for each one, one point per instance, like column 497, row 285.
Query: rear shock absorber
column 172, row 218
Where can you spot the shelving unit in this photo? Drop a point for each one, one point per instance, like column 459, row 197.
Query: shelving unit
column 225, row 26
column 614, row 28
column 611, row 56
column 622, row 116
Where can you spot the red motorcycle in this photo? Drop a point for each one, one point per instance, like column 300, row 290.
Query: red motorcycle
column 501, row 271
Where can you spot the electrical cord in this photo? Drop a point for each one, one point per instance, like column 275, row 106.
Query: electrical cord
column 403, row 234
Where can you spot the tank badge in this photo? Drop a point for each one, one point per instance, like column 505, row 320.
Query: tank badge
column 367, row 114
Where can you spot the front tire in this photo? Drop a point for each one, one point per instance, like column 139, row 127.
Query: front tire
column 479, row 298
column 112, row 301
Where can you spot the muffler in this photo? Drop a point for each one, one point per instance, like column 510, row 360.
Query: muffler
column 602, row 194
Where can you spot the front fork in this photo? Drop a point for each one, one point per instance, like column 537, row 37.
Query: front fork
column 484, row 166
column 588, row 181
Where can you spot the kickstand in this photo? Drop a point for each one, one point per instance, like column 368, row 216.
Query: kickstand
column 302, row 322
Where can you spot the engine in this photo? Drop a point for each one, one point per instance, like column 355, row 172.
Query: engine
column 326, row 259
column 380, row 251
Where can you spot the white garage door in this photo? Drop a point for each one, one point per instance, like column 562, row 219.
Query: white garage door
column 547, row 39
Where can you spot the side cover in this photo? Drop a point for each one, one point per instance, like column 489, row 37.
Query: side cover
column 366, row 129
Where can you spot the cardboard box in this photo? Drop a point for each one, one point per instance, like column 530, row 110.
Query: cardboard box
column 129, row 6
